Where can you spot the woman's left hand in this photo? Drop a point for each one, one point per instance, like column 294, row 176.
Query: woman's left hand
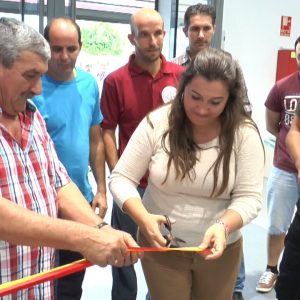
column 215, row 240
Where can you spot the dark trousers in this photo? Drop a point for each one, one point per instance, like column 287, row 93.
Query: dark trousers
column 124, row 285
column 69, row 287
column 288, row 283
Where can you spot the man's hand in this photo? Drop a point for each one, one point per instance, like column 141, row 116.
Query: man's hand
column 100, row 201
column 107, row 246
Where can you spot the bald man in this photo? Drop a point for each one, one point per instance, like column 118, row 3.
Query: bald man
column 129, row 93
column 75, row 129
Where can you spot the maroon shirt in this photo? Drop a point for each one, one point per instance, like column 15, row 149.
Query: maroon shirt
column 283, row 99
column 129, row 93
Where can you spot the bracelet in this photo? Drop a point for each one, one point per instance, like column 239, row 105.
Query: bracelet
column 226, row 228
column 100, row 225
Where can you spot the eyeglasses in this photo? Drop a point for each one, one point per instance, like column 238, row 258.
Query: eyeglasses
column 172, row 241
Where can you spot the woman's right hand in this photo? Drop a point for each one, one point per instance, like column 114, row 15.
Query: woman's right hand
column 151, row 230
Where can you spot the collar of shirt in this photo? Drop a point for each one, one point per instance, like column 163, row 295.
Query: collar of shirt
column 29, row 107
column 26, row 120
column 136, row 70
column 186, row 57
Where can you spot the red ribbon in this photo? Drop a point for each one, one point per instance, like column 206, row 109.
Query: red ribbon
column 23, row 283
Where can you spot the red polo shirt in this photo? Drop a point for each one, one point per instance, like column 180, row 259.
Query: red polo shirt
column 129, row 93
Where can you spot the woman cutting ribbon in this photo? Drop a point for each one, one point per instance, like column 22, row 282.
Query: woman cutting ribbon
column 206, row 160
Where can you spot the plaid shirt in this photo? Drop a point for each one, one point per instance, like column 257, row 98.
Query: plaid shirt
column 185, row 59
column 182, row 60
column 30, row 175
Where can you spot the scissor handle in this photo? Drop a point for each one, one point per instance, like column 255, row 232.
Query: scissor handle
column 170, row 238
column 168, row 224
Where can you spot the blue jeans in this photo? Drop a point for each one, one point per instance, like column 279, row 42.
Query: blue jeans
column 124, row 279
column 240, row 281
column 282, row 195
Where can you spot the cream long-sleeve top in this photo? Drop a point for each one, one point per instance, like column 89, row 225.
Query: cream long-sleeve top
column 189, row 202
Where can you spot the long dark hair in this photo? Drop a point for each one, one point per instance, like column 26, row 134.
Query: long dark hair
column 212, row 64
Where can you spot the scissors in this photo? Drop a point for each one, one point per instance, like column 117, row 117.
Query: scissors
column 172, row 241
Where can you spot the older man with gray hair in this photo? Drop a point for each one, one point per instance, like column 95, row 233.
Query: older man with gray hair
column 35, row 187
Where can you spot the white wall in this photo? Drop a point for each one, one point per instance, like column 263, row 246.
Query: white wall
column 252, row 35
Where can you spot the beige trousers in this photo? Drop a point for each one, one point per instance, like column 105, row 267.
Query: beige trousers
column 187, row 276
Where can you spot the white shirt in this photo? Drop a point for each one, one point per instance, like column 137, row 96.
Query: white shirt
column 187, row 201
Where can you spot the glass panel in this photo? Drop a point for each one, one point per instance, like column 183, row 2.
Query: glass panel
column 105, row 47
column 10, row 15
column 116, row 6
column 30, row 10
column 10, row 9
column 31, row 13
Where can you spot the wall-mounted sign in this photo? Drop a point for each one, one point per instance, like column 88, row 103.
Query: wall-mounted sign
column 285, row 27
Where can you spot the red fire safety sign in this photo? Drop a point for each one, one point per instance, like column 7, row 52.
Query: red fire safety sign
column 285, row 27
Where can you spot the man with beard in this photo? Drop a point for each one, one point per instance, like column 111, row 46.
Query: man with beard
column 199, row 27
column 69, row 103
column 129, row 93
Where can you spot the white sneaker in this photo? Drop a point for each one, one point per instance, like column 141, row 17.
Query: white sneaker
column 266, row 282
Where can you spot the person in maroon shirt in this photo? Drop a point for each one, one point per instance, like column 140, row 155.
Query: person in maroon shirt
column 287, row 284
column 129, row 93
column 283, row 191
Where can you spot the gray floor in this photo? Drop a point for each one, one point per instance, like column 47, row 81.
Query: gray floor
column 97, row 282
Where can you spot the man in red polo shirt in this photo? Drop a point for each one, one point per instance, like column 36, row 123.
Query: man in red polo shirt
column 129, row 93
